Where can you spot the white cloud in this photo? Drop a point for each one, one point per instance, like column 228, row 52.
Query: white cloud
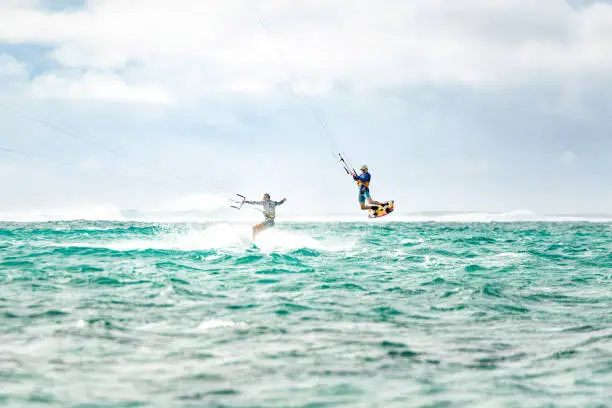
column 580, row 4
column 210, row 68
column 213, row 48
column 97, row 86
column 194, row 201
column 13, row 76
column 11, row 69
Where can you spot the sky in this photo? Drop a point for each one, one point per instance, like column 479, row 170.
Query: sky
column 472, row 105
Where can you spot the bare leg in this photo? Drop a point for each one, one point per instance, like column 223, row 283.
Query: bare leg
column 370, row 201
column 257, row 229
column 368, row 207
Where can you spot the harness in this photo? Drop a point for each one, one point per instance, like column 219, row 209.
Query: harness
column 269, row 211
column 365, row 184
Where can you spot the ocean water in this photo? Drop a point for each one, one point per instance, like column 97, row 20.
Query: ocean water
column 325, row 314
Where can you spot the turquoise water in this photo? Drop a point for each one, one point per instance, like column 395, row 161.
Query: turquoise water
column 314, row 315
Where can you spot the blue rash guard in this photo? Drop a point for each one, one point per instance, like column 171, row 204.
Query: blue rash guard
column 364, row 185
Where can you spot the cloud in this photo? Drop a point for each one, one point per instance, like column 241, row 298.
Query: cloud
column 10, row 68
column 219, row 48
column 96, row 86
column 453, row 104
column 194, row 201
column 580, row 5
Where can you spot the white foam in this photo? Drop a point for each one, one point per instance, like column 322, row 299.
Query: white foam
column 214, row 237
column 503, row 259
column 226, row 236
column 449, row 217
column 278, row 240
column 486, row 217
column 414, row 241
column 216, row 324
column 167, row 291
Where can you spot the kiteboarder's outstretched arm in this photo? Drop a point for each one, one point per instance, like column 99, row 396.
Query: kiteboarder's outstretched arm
column 261, row 202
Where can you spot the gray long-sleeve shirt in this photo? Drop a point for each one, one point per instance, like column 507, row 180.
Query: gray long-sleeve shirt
column 269, row 207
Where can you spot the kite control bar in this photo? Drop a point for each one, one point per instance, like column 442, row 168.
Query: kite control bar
column 242, row 201
column 239, row 202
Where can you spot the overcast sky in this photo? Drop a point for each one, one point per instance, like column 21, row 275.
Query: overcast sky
column 490, row 105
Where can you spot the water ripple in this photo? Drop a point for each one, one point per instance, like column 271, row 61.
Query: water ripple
column 338, row 314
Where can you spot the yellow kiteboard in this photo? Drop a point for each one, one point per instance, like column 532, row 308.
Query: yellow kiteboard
column 382, row 210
